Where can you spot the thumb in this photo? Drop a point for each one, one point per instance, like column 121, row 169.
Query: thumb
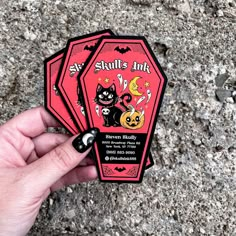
column 58, row 162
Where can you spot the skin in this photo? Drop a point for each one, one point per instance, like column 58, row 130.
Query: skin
column 34, row 163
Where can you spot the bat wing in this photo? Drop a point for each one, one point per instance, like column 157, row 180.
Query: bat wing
column 117, row 49
column 120, row 169
column 124, row 50
column 89, row 48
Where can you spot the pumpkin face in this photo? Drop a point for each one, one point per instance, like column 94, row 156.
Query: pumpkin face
column 132, row 119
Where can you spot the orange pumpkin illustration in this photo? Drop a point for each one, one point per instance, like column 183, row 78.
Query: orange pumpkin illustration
column 132, row 119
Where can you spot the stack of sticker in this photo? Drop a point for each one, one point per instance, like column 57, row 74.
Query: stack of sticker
column 113, row 83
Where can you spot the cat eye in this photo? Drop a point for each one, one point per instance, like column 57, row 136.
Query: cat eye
column 105, row 93
column 110, row 96
column 100, row 96
column 137, row 118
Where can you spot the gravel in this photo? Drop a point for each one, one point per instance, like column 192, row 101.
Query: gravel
column 191, row 190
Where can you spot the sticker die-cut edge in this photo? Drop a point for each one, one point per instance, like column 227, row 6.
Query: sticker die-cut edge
column 162, row 76
column 47, row 62
column 66, row 57
column 47, row 96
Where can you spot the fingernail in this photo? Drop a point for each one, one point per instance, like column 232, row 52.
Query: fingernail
column 85, row 140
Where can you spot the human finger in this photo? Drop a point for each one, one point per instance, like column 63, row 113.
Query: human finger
column 44, row 143
column 32, row 123
column 18, row 131
column 61, row 160
column 48, row 141
column 75, row 176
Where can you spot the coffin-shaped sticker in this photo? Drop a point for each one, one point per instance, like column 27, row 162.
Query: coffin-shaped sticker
column 122, row 86
column 53, row 100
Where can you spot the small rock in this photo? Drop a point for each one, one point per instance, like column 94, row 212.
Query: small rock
column 234, row 96
column 197, row 142
column 29, row 35
column 220, row 13
column 159, row 8
column 220, row 79
column 209, row 156
column 69, row 190
column 185, row 7
column 108, row 222
column 161, row 48
column 202, row 231
column 71, row 214
column 219, row 148
column 2, row 71
column 12, row 59
column 222, row 94
column 231, row 3
column 190, row 230
column 171, row 84
column 229, row 100
column 51, row 201
column 73, row 227
column 148, row 228
column 61, row 7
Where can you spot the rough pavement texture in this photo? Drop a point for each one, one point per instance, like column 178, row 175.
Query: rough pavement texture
column 191, row 190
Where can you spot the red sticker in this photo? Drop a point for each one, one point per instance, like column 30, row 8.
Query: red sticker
column 77, row 51
column 122, row 85
column 53, row 100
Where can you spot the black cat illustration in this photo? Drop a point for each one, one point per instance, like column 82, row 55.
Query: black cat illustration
column 107, row 98
column 80, row 97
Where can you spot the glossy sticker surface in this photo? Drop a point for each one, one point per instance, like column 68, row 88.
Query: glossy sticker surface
column 53, row 100
column 77, row 51
column 122, row 85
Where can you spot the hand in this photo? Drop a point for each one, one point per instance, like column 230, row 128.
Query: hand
column 34, row 163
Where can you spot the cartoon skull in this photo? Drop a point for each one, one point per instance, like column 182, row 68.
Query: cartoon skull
column 105, row 111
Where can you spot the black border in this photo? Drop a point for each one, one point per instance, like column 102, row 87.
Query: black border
column 63, row 61
column 151, row 162
column 159, row 104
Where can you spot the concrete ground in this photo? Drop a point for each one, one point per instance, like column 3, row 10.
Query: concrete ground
column 191, row 190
